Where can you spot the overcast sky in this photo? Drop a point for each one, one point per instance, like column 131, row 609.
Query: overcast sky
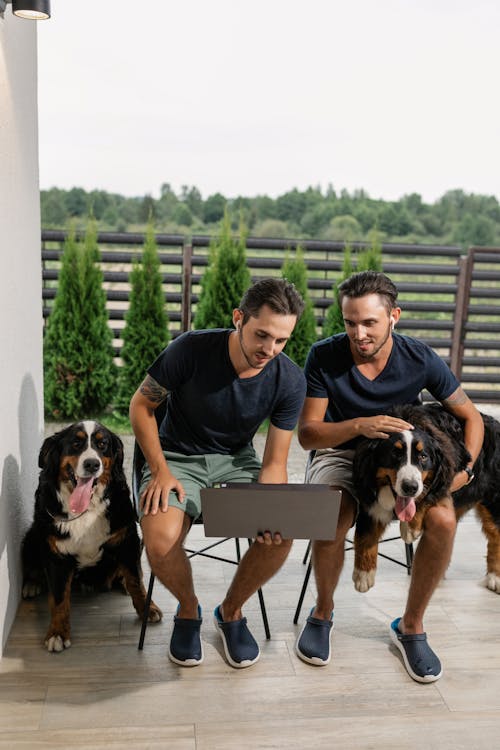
column 248, row 98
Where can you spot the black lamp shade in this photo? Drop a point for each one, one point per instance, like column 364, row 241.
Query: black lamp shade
column 34, row 9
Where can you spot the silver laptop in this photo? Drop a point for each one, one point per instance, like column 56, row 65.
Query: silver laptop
column 297, row 511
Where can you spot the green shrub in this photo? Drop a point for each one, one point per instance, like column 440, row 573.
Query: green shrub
column 226, row 279
column 79, row 372
column 304, row 333
column 146, row 332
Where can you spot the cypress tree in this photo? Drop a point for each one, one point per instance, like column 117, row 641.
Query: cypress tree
column 145, row 333
column 79, row 373
column 62, row 352
column 304, row 333
column 98, row 382
column 226, row 279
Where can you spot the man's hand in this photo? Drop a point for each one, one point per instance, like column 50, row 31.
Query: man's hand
column 381, row 426
column 155, row 496
column 267, row 538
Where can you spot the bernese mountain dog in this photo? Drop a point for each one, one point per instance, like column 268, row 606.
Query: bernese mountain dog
column 403, row 475
column 84, row 526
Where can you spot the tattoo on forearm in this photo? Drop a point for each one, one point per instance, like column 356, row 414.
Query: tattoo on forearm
column 153, row 390
column 456, row 399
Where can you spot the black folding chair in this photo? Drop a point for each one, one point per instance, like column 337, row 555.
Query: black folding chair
column 349, row 546
column 137, row 466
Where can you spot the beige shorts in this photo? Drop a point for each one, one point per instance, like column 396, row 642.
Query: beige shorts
column 333, row 466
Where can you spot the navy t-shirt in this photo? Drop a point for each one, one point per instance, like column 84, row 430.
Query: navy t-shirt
column 412, row 367
column 209, row 408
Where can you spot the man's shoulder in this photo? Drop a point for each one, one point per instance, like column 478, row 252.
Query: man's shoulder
column 288, row 366
column 411, row 347
column 202, row 337
column 337, row 344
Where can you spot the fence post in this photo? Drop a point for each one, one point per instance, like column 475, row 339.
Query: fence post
column 187, row 258
column 464, row 282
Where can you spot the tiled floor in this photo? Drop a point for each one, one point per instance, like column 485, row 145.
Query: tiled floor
column 104, row 693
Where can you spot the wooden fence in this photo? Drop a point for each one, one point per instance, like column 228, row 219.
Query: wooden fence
column 450, row 299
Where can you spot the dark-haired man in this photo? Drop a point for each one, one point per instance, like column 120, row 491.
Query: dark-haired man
column 221, row 385
column 353, row 380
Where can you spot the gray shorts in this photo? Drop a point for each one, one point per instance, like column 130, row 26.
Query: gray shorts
column 195, row 472
column 333, row 466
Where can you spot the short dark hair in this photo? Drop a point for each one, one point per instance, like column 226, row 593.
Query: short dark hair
column 278, row 294
column 369, row 282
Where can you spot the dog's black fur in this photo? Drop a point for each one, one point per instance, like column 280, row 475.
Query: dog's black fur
column 89, row 535
column 437, row 454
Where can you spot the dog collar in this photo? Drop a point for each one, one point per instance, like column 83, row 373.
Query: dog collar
column 62, row 519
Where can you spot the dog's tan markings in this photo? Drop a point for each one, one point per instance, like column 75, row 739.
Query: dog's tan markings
column 117, row 537
column 493, row 535
column 63, row 467
column 107, row 465
column 384, row 474
column 399, row 445
column 365, row 557
column 153, row 390
column 419, row 446
column 52, row 540
column 59, row 632
column 135, row 588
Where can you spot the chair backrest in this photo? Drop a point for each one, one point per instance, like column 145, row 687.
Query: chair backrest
column 138, row 459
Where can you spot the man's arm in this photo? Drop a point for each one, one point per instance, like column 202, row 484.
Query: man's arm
column 145, row 400
column 460, row 405
column 315, row 433
column 274, row 460
column 274, row 469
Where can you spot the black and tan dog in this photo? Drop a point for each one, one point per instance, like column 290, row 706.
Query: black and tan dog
column 84, row 525
column 403, row 475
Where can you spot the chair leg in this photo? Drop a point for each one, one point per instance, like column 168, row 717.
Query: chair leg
column 409, row 557
column 307, row 553
column 302, row 593
column 146, row 611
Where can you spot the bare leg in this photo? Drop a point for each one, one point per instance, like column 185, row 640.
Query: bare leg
column 163, row 536
column 432, row 557
column 257, row 566
column 328, row 559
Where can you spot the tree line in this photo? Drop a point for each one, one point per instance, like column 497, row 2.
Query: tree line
column 456, row 218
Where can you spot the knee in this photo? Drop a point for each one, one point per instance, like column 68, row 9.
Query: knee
column 441, row 520
column 160, row 544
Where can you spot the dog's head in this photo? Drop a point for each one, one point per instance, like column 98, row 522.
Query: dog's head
column 403, row 469
column 81, row 460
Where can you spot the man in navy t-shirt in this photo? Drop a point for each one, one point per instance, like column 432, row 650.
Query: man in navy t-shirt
column 353, row 380
column 219, row 386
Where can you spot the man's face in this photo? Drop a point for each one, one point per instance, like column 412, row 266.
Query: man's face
column 368, row 324
column 263, row 338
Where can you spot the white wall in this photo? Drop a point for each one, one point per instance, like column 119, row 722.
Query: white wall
column 21, row 391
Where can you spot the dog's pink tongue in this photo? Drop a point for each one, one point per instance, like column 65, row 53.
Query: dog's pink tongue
column 80, row 497
column 405, row 508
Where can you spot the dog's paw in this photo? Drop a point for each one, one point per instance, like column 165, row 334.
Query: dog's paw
column 407, row 533
column 363, row 579
column 57, row 643
column 155, row 613
column 31, row 589
column 492, row 582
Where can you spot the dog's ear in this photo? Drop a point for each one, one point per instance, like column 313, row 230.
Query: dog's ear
column 363, row 471
column 117, row 453
column 50, row 449
column 445, row 461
